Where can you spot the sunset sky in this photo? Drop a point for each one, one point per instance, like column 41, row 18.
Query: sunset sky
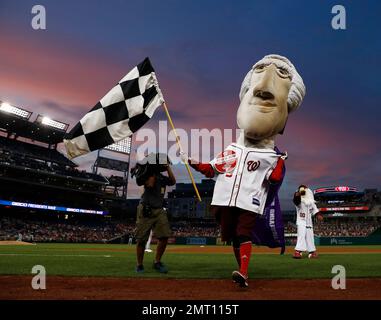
column 201, row 51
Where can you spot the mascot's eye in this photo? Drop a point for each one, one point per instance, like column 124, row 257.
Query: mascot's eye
column 259, row 68
column 283, row 72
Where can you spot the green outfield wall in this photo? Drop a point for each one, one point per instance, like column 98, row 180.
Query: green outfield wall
column 339, row 241
column 196, row 240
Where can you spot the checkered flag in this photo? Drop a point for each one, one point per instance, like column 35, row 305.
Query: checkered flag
column 121, row 112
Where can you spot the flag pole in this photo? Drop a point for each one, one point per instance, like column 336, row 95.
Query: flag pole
column 181, row 150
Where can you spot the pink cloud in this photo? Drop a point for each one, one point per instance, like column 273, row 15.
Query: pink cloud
column 323, row 150
column 45, row 72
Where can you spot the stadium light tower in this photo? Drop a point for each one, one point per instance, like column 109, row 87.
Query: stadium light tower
column 52, row 123
column 122, row 146
column 8, row 108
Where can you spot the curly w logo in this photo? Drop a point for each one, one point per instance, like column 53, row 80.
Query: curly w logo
column 253, row 165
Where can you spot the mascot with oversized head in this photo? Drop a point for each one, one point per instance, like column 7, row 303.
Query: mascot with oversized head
column 306, row 209
column 250, row 171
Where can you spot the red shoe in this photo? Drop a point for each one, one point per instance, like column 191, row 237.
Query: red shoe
column 297, row 255
column 313, row 255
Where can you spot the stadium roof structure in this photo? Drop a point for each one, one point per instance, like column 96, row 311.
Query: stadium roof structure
column 111, row 164
column 22, row 127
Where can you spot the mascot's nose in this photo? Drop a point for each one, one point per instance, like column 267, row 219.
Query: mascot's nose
column 265, row 87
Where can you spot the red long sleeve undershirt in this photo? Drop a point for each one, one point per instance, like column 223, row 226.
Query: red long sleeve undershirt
column 277, row 174
column 207, row 170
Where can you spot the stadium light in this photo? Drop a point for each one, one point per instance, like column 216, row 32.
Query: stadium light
column 51, row 123
column 122, row 146
column 6, row 107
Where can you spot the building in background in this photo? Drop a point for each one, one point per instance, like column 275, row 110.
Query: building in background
column 182, row 202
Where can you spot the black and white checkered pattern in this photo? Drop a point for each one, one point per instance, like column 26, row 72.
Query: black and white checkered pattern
column 121, row 112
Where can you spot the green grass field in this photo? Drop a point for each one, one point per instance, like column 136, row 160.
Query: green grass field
column 119, row 261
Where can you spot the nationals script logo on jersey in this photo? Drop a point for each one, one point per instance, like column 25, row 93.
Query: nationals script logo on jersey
column 253, row 165
column 226, row 161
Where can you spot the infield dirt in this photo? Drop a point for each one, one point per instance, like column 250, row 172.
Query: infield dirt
column 15, row 243
column 79, row 288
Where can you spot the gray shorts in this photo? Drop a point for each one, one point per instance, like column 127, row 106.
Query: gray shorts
column 157, row 221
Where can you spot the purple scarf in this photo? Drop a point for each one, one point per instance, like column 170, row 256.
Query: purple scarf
column 269, row 228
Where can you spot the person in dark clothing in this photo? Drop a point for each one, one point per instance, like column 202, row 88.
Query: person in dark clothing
column 151, row 215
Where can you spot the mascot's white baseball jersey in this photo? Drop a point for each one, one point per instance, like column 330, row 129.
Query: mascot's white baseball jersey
column 243, row 177
column 305, row 210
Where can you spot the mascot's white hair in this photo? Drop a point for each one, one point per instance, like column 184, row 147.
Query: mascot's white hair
column 297, row 90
